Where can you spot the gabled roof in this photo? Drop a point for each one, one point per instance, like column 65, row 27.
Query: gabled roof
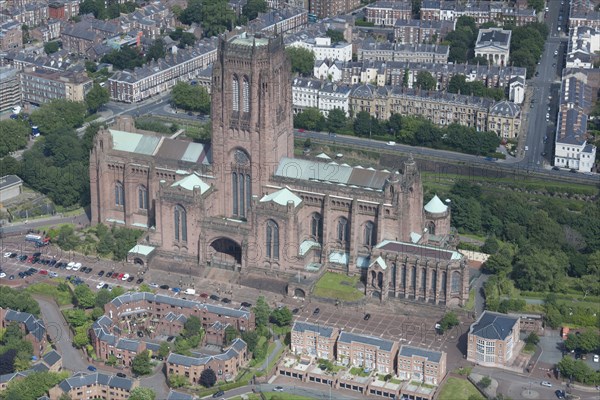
column 382, row 344
column 97, row 378
column 282, row 197
column 33, row 325
column 322, row 330
column 379, row 261
column 430, row 355
column 51, row 358
column 493, row 326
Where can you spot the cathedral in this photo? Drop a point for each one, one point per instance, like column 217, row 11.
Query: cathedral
column 244, row 203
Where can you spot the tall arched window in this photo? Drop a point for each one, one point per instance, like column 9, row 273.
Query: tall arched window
column 343, row 230
column 119, row 194
column 235, row 94
column 455, row 283
column 180, row 217
column 316, row 227
column 246, row 94
column 241, row 184
column 143, row 197
column 234, row 186
column 369, row 238
column 272, row 243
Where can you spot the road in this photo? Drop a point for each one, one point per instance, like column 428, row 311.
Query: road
column 60, row 335
column 22, row 227
column 305, row 390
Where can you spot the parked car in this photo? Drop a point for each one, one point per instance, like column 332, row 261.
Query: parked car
column 278, row 388
column 204, row 295
column 164, row 287
column 559, row 394
column 130, row 279
column 70, row 265
column 121, row 375
column 546, row 383
column 120, row 276
column 367, row 317
column 176, row 290
column 154, row 285
column 101, row 273
column 246, row 304
column 76, row 267
column 139, row 281
column 100, row 285
column 317, row 311
column 214, row 297
column 92, row 368
column 226, row 300
column 2, row 275
column 108, row 274
column 43, row 272
column 218, row 394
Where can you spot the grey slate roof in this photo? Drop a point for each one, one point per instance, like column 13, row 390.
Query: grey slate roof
column 505, row 108
column 33, row 325
column 97, row 378
column 325, row 331
column 493, row 326
column 51, row 358
column 178, row 302
column 382, row 344
column 9, row 180
column 430, row 355
column 128, row 344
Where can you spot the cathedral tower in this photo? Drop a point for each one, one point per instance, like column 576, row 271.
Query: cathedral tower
column 251, row 117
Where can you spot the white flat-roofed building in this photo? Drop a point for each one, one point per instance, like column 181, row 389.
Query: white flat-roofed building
column 324, row 49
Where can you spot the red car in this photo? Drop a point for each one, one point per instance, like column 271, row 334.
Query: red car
column 30, row 259
column 204, row 295
column 43, row 272
column 120, row 276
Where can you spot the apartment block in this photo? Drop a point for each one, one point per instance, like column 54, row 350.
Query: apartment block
column 39, row 86
column 417, row 31
column 313, row 340
column 282, row 21
column 324, row 49
column 367, row 352
column 332, row 8
column 386, row 13
column 314, row 93
column 83, row 386
column 10, row 89
column 63, row 9
column 481, row 11
column 11, row 36
column 584, row 13
column 382, row 51
column 160, row 76
column 32, row 14
column 226, row 365
column 493, row 340
column 583, row 48
column 504, row 118
column 416, row 364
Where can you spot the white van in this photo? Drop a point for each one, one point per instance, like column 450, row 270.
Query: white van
column 190, row 291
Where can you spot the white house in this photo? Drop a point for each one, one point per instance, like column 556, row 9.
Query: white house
column 516, row 90
column 324, row 49
column 305, row 93
column 334, row 96
column 494, row 45
column 328, row 69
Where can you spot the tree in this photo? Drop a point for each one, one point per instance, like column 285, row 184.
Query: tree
column 261, row 312
column 124, row 58
column 310, row 119
column 141, row 364
column 156, row 51
column 282, row 316
column 251, row 339
column 215, row 16
column 81, row 338
column 230, row 334
column 177, row 381
column 84, row 297
column 187, row 39
column 51, row 47
column 58, row 116
column 539, row 270
column 253, row 7
column 363, row 124
column 191, row 97
column 96, row 98
column 335, row 35
column 33, row 386
column 303, row 60
column 164, row 349
column 537, row 5
column 103, row 297
column 192, row 326
column 336, row 120
column 425, row 81
column 532, row 339
column 484, row 382
column 76, row 317
column 13, row 136
column 208, row 378
column 449, row 320
column 142, row 393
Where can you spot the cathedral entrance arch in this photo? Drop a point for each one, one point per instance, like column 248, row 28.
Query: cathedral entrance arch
column 138, row 261
column 225, row 253
column 299, row 293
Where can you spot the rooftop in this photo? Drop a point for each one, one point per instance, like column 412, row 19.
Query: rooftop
column 493, row 326
column 382, row 344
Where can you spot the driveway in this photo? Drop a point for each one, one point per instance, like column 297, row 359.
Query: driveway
column 550, row 344
column 60, row 335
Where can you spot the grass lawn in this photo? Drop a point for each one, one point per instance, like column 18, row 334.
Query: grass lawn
column 48, row 289
column 471, row 302
column 274, row 358
column 456, row 388
column 338, row 286
column 358, row 371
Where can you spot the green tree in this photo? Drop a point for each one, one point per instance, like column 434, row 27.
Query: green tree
column 230, row 334
column 539, row 270
column 124, row 58
column 484, row 382
column 310, row 119
column 336, row 120
column 76, row 317
column 96, row 98
column 335, row 35
column 425, row 81
column 142, row 393
column 103, row 297
column 141, row 364
column 190, row 97
column 164, row 349
column 33, row 386
column 208, row 378
column 9, row 165
column 192, row 326
column 14, row 135
column 253, row 7
column 58, row 116
column 532, row 339
column 537, row 5
column 156, row 51
column 449, row 321
column 84, row 297
column 215, row 16
column 81, row 337
column 177, row 381
column 363, row 124
column 261, row 312
column 282, row 316
column 187, row 39
column 51, row 47
column 183, row 346
column 251, row 338
column 303, row 60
